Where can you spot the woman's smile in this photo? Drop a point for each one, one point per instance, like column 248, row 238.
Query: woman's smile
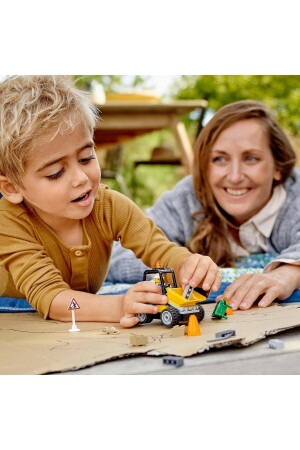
column 237, row 192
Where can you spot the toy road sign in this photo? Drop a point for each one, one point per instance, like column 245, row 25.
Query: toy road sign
column 187, row 292
column 73, row 304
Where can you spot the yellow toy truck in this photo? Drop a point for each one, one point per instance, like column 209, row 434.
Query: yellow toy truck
column 178, row 309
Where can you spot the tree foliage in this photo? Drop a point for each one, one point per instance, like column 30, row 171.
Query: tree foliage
column 280, row 92
column 111, row 83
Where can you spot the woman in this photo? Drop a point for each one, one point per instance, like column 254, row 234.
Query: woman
column 243, row 199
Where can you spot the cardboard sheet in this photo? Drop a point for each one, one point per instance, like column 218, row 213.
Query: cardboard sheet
column 31, row 345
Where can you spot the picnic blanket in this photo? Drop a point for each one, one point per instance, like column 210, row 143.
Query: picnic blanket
column 249, row 264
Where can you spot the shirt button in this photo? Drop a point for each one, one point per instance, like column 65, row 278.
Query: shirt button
column 78, row 253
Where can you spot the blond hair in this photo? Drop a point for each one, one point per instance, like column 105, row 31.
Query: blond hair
column 211, row 233
column 30, row 107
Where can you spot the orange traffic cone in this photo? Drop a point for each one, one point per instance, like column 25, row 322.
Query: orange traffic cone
column 229, row 311
column 193, row 326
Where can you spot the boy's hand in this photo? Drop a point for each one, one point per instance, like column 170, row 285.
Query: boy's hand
column 141, row 298
column 198, row 270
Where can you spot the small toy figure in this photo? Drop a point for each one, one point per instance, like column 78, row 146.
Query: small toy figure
column 220, row 309
column 110, row 330
column 72, row 306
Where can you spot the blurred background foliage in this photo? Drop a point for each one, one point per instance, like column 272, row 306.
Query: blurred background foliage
column 280, row 92
column 111, row 83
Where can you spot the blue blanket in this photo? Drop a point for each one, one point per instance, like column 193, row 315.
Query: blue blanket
column 250, row 264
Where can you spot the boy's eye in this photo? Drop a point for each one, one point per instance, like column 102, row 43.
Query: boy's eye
column 55, row 175
column 86, row 160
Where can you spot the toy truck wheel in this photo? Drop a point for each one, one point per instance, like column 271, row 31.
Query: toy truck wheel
column 145, row 318
column 170, row 317
column 200, row 314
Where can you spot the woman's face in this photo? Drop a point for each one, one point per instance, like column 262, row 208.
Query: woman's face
column 242, row 170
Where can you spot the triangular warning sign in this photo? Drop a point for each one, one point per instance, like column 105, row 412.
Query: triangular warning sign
column 73, row 304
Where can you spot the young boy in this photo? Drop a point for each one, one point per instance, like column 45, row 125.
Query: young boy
column 58, row 222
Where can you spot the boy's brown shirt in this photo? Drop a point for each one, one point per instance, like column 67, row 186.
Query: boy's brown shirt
column 35, row 264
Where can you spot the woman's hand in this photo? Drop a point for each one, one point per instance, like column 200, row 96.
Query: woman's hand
column 141, row 298
column 198, row 270
column 265, row 287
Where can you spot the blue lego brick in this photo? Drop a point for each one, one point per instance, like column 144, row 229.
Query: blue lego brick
column 176, row 361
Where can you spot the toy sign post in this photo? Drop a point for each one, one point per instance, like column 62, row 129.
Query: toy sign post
column 187, row 292
column 72, row 306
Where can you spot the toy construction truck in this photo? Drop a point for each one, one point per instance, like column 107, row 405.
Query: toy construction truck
column 178, row 309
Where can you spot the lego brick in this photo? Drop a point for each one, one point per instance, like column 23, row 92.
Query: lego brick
column 225, row 334
column 137, row 340
column 176, row 361
column 178, row 331
column 276, row 343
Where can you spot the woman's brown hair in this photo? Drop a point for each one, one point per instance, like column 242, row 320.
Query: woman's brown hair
column 211, row 233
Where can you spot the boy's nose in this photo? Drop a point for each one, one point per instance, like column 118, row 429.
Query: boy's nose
column 79, row 177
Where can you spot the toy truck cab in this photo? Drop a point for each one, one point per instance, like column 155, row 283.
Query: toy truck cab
column 178, row 309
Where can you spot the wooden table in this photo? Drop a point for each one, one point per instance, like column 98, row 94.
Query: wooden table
column 120, row 121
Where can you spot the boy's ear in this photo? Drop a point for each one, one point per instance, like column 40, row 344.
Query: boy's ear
column 10, row 190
